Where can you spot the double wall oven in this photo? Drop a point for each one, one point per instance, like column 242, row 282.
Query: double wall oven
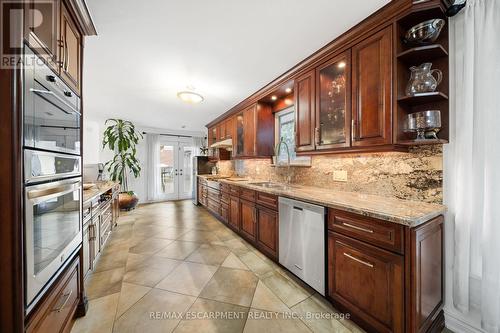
column 52, row 177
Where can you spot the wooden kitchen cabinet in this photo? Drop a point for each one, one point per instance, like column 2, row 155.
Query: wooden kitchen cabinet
column 248, row 223
column 333, row 103
column 57, row 39
column 388, row 276
column 71, row 50
column 305, row 111
column 229, row 128
column 249, row 125
column 234, row 213
column 221, row 131
column 56, row 310
column 367, row 280
column 44, row 36
column 254, row 134
column 267, row 231
column 372, row 90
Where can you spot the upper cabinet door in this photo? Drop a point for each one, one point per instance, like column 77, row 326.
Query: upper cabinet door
column 333, row 109
column 304, row 112
column 221, row 131
column 71, row 43
column 239, row 143
column 42, row 29
column 371, row 84
column 229, row 128
column 249, row 131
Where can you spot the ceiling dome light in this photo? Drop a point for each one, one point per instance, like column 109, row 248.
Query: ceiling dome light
column 190, row 97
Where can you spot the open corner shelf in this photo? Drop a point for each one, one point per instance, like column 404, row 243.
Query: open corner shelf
column 422, row 142
column 423, row 98
column 422, row 53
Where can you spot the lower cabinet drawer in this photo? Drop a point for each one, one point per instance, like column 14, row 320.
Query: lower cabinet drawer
column 268, row 200
column 214, row 206
column 368, row 281
column 224, row 198
column 56, row 313
column 247, row 194
column 389, row 236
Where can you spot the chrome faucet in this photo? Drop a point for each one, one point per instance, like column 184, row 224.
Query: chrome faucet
column 277, row 150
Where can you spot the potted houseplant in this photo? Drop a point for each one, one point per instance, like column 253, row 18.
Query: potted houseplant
column 121, row 137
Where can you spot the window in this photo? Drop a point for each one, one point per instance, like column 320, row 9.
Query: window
column 285, row 128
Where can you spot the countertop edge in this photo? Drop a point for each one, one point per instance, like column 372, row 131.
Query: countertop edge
column 96, row 191
column 409, row 222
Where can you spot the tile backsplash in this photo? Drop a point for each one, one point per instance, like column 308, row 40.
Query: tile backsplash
column 416, row 175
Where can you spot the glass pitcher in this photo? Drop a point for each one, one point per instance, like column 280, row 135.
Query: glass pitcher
column 422, row 79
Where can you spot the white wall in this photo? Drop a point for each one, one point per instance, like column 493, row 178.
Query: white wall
column 93, row 153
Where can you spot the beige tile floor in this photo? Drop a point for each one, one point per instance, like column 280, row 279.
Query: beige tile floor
column 172, row 267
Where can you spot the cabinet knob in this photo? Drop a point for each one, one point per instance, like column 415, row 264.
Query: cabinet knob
column 68, row 93
column 51, row 78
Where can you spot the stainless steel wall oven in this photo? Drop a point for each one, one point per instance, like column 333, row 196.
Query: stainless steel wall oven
column 52, row 177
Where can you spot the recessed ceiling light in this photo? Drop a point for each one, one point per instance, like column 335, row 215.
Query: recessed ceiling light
column 341, row 64
column 288, row 90
column 190, row 97
column 183, row 126
column 274, row 97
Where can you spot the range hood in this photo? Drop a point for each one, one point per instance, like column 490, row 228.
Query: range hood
column 226, row 144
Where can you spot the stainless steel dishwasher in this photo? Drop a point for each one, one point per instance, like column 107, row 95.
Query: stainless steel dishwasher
column 302, row 241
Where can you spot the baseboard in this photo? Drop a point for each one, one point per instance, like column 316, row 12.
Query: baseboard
column 457, row 323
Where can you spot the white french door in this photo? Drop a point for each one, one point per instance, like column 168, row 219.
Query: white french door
column 176, row 170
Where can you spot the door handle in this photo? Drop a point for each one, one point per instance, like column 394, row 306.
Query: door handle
column 50, row 93
column 317, row 139
column 60, row 308
column 357, row 228
column 66, row 57
column 358, row 260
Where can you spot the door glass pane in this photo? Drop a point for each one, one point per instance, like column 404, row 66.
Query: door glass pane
column 187, row 170
column 167, row 169
column 56, row 222
column 239, row 134
column 333, row 98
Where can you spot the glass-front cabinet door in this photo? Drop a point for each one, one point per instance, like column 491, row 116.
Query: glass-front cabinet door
column 240, row 135
column 333, row 111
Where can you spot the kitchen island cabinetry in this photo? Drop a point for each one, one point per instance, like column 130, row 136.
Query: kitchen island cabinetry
column 100, row 217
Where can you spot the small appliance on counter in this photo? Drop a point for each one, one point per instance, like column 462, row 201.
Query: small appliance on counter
column 425, row 123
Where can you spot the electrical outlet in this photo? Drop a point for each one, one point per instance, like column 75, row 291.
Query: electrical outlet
column 340, row 175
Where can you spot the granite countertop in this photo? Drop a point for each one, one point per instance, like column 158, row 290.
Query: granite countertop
column 99, row 189
column 405, row 212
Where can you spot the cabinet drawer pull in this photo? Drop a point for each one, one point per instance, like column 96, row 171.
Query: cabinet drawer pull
column 297, row 266
column 68, row 295
column 359, row 260
column 357, row 228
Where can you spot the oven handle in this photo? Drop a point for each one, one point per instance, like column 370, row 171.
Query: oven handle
column 43, row 194
column 46, row 92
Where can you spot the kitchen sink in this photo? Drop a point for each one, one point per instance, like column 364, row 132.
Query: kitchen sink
column 276, row 186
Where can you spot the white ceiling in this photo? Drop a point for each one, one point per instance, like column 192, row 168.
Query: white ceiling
column 147, row 51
